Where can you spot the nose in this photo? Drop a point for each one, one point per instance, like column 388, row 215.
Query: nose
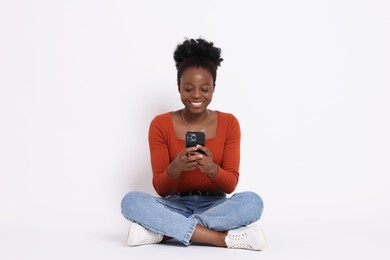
column 196, row 93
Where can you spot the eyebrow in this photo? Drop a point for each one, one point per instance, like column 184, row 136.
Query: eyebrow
column 203, row 84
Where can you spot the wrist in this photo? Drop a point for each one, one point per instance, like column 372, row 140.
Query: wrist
column 214, row 171
column 173, row 172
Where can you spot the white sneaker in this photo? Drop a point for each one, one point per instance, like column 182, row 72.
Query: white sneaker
column 138, row 235
column 249, row 237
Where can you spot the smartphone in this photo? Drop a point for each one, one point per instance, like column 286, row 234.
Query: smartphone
column 194, row 138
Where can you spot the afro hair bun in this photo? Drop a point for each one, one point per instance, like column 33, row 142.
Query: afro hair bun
column 197, row 48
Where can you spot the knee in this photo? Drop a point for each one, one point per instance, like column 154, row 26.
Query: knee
column 255, row 201
column 129, row 201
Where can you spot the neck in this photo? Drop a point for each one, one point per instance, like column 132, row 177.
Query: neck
column 197, row 122
column 195, row 118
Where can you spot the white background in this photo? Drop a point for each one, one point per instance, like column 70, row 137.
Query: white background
column 81, row 80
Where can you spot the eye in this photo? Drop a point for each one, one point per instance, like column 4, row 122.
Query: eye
column 206, row 88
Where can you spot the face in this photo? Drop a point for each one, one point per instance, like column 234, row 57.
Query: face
column 196, row 89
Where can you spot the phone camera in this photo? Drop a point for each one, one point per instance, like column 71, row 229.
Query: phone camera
column 191, row 137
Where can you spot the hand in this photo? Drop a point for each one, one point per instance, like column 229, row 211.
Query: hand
column 186, row 160
column 205, row 162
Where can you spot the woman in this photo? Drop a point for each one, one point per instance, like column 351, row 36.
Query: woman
column 193, row 183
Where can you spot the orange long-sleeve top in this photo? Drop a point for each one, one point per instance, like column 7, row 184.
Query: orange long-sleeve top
column 164, row 147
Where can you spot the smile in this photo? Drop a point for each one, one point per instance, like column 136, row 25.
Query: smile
column 196, row 104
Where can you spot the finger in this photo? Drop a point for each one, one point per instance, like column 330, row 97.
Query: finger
column 192, row 165
column 203, row 149
column 191, row 149
column 194, row 157
column 199, row 162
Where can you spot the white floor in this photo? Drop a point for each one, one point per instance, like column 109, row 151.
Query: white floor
column 283, row 243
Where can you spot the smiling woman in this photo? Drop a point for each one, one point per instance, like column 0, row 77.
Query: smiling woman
column 193, row 182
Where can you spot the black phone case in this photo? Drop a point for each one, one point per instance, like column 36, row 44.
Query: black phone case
column 194, row 138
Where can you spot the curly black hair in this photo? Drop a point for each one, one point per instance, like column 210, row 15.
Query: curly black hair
column 197, row 53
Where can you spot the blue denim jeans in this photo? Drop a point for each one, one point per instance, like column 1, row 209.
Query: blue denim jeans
column 176, row 216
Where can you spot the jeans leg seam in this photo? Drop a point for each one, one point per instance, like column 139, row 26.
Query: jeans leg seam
column 190, row 231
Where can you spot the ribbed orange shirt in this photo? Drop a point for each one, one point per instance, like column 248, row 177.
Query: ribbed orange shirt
column 165, row 145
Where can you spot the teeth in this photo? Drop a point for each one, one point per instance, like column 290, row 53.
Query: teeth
column 196, row 103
